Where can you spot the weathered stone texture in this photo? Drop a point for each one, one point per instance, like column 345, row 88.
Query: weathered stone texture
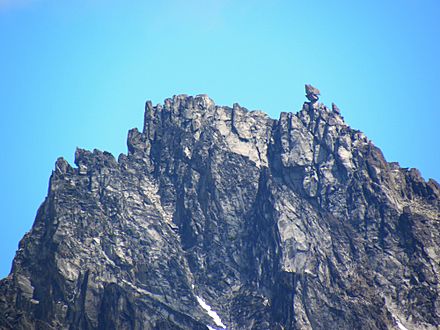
column 295, row 223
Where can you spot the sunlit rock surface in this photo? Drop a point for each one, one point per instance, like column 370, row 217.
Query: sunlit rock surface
column 219, row 217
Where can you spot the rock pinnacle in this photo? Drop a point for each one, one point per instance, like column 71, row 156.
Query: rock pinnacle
column 312, row 93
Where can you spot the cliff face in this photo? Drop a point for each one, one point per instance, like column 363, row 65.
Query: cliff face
column 223, row 218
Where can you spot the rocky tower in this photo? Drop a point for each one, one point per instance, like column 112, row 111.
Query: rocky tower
column 221, row 217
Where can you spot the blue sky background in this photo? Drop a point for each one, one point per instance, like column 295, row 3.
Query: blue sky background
column 77, row 73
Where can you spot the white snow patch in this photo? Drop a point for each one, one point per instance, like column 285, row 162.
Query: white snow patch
column 400, row 325
column 393, row 310
column 211, row 313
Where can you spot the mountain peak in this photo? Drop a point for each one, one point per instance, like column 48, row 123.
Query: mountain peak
column 223, row 217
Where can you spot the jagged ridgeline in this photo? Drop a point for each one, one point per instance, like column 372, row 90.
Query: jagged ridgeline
column 224, row 218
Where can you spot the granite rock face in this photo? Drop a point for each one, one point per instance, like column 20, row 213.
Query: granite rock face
column 221, row 217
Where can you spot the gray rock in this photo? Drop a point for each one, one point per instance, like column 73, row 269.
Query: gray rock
column 335, row 108
column 312, row 93
column 224, row 217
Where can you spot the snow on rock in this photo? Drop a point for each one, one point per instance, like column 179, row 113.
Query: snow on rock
column 400, row 325
column 211, row 313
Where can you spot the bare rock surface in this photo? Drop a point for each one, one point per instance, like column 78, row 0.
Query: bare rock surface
column 219, row 217
column 312, row 93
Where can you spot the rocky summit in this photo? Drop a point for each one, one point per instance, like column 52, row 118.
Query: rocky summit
column 223, row 218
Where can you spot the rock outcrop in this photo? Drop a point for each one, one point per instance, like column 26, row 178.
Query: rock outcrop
column 312, row 93
column 221, row 217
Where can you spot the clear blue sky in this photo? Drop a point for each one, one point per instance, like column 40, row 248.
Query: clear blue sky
column 77, row 73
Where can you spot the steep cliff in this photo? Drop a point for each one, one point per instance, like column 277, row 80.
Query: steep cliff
column 221, row 217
